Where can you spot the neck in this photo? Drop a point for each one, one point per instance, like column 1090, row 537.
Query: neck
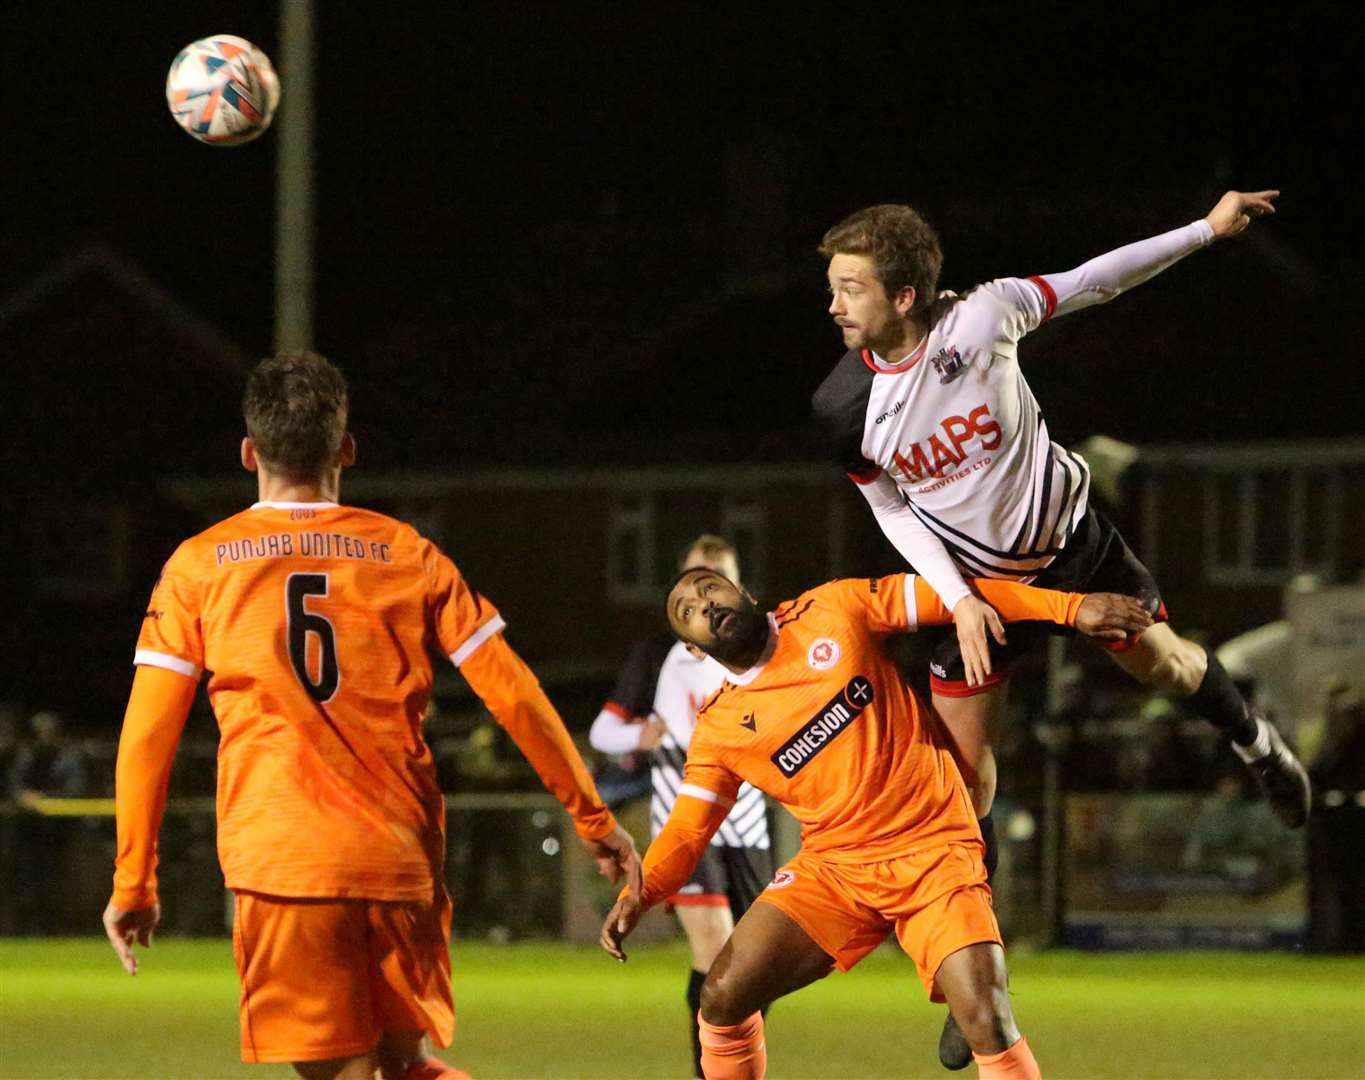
column 903, row 339
column 325, row 488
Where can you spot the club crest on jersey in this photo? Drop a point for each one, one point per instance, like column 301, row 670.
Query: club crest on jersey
column 781, row 879
column 823, row 654
column 948, row 363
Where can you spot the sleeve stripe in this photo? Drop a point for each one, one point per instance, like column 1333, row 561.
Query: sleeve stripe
column 1049, row 295
column 911, row 602
column 618, row 710
column 704, row 794
column 477, row 638
column 150, row 658
column 866, row 475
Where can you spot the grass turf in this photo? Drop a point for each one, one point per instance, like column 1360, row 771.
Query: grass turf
column 67, row 1012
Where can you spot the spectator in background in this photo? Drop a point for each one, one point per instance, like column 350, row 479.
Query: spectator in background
column 48, row 766
column 1336, row 840
column 1178, row 759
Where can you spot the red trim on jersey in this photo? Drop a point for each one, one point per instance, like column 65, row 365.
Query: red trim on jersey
column 1127, row 643
column 1049, row 295
column 905, row 365
column 618, row 710
column 697, row 900
column 866, row 476
column 959, row 687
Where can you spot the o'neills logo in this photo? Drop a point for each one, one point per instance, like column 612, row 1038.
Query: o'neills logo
column 792, row 755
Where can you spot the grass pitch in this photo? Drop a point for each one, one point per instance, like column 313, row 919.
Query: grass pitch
column 67, row 1012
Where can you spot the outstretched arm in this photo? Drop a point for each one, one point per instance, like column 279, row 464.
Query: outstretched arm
column 670, row 860
column 157, row 709
column 1104, row 277
column 1108, row 616
column 514, row 696
column 930, row 559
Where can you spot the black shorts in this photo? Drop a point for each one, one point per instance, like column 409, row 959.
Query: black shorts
column 1096, row 559
column 727, row 877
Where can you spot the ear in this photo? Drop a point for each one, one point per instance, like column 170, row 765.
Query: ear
column 249, row 462
column 348, row 450
column 904, row 300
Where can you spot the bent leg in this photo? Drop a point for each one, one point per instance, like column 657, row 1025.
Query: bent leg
column 767, row 957
column 707, row 928
column 975, row 982
column 1162, row 658
column 971, row 723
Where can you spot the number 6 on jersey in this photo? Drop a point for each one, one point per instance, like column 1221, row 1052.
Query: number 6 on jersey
column 301, row 623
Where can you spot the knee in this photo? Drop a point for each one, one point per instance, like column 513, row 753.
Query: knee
column 987, row 1022
column 1180, row 670
column 722, row 1002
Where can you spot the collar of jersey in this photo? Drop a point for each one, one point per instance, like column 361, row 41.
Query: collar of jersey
column 754, row 672
column 272, row 505
column 875, row 362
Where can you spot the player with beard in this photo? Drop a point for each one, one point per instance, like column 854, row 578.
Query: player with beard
column 653, row 708
column 815, row 713
column 930, row 415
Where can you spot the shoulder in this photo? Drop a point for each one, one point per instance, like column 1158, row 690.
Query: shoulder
column 822, row 597
column 844, row 390
column 719, row 704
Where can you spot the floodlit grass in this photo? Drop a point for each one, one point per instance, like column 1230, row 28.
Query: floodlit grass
column 67, row 1012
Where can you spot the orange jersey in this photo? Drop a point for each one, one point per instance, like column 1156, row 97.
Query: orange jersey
column 315, row 623
column 826, row 726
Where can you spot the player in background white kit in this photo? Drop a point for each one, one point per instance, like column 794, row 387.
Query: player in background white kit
column 930, row 414
column 654, row 708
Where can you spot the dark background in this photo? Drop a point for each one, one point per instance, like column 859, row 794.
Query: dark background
column 577, row 233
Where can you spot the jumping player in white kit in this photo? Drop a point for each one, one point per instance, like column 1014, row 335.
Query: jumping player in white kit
column 930, row 415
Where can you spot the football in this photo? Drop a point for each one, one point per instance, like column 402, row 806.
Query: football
column 222, row 90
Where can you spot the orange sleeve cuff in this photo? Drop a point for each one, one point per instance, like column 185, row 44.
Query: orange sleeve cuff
column 513, row 695
column 157, row 709
column 678, row 848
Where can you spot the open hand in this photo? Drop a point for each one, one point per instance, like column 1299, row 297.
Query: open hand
column 1235, row 210
column 125, row 927
column 973, row 616
column 1111, row 616
column 618, row 924
column 617, row 858
column 653, row 732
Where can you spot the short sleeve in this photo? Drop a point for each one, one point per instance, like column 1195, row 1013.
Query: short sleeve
column 461, row 619
column 885, row 605
column 1023, row 304
column 172, row 634
column 839, row 408
column 635, row 686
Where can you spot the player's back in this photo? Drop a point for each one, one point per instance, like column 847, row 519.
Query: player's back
column 313, row 621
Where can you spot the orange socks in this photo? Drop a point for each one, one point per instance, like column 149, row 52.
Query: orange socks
column 734, row 1052
column 1016, row 1063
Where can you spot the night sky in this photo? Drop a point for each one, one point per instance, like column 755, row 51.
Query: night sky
column 575, row 215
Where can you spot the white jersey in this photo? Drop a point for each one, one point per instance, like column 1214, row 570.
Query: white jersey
column 663, row 678
column 953, row 437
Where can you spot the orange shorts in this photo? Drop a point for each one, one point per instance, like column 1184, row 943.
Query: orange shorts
column 936, row 901
column 326, row 978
